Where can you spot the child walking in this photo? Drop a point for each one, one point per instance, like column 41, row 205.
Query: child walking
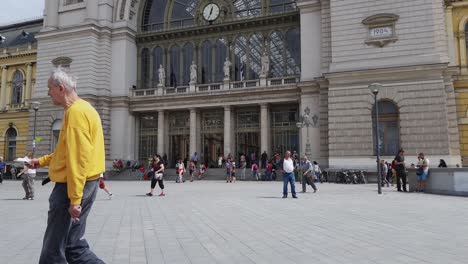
column 103, row 186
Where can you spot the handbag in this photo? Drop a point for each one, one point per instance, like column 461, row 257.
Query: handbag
column 419, row 171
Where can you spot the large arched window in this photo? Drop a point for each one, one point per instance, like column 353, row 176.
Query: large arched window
column 255, row 58
column 157, row 61
column 389, row 128
column 240, row 50
column 281, row 6
column 183, row 13
column 221, row 54
column 188, row 58
column 207, row 57
column 145, row 68
column 17, row 87
column 10, row 139
column 175, row 66
column 247, row 8
column 276, row 54
column 56, row 126
column 293, row 52
column 153, row 17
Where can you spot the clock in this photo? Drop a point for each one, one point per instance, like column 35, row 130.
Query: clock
column 211, row 12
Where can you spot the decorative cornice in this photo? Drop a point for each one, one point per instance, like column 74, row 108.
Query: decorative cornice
column 383, row 18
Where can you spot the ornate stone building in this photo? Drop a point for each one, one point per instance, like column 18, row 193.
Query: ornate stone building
column 18, row 51
column 247, row 76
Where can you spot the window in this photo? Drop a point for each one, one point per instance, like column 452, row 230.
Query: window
column 70, row 2
column 145, row 68
column 389, row 128
column 247, row 8
column 10, row 139
column 188, row 58
column 207, row 56
column 240, row 50
column 285, row 134
column 157, row 60
column 56, row 126
column 148, row 136
column 183, row 12
column 153, row 16
column 281, row 6
column 17, row 89
column 175, row 66
column 293, row 52
column 221, row 55
column 255, row 58
column 276, row 54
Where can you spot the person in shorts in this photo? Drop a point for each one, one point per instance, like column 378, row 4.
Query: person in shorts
column 102, row 186
column 422, row 172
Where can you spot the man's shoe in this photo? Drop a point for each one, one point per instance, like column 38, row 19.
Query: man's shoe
column 400, row 190
column 315, row 191
column 294, row 196
column 285, row 196
column 405, row 191
column 149, row 194
column 25, row 198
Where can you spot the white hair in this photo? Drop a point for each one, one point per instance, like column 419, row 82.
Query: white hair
column 60, row 77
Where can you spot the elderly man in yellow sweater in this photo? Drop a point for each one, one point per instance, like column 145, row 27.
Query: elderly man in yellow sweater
column 75, row 166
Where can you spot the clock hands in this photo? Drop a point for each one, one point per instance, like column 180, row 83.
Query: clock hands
column 211, row 11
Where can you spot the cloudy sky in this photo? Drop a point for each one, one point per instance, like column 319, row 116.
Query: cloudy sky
column 18, row 10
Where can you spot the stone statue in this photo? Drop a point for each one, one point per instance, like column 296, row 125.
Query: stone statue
column 265, row 64
column 193, row 73
column 227, row 69
column 161, row 75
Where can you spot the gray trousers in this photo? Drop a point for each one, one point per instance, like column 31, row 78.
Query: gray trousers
column 304, row 183
column 28, row 184
column 63, row 238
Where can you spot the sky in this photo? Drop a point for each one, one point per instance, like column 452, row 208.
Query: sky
column 20, row 10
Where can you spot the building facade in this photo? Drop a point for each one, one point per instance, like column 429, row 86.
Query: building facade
column 244, row 77
column 18, row 54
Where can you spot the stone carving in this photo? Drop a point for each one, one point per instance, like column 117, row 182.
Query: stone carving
column 265, row 60
column 227, row 69
column 193, row 73
column 122, row 9
column 161, row 75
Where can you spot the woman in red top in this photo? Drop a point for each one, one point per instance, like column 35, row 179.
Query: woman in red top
column 157, row 175
column 192, row 168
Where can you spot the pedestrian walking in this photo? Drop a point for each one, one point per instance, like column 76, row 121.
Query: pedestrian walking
column 157, row 175
column 317, row 170
column 28, row 173
column 2, row 169
column 255, row 171
column 287, row 167
column 400, row 170
column 233, row 172
column 308, row 174
column 102, row 186
column 269, row 171
column 202, row 170
column 264, row 158
column 228, row 170
column 75, row 167
column 181, row 171
column 192, row 169
column 243, row 167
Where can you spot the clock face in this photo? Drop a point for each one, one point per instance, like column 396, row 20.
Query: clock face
column 211, row 12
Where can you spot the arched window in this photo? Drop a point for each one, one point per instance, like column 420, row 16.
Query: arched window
column 207, row 57
column 276, row 54
column 247, row 8
column 56, row 126
column 153, row 16
column 389, row 128
column 281, row 6
column 157, row 60
column 145, row 68
column 175, row 66
column 188, row 58
column 221, row 54
column 293, row 52
column 240, row 50
column 183, row 13
column 255, row 58
column 10, row 139
column 17, row 85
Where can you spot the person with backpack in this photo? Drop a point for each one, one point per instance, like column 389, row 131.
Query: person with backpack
column 308, row 174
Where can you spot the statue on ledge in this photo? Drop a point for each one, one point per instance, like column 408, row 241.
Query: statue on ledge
column 193, row 73
column 265, row 60
column 227, row 69
column 161, row 75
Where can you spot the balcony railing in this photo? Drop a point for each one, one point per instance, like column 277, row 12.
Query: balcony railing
column 213, row 87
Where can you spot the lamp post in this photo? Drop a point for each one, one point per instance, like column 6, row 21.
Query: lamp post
column 36, row 108
column 374, row 88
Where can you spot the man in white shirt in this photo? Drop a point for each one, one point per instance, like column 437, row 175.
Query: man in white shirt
column 288, row 175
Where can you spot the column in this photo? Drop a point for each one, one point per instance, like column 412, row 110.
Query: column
column 3, row 87
column 51, row 18
column 151, row 70
column 92, row 10
column 193, row 131
column 227, row 130
column 161, row 116
column 264, row 129
column 28, row 91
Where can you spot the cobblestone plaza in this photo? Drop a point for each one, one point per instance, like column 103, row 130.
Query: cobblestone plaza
column 248, row 222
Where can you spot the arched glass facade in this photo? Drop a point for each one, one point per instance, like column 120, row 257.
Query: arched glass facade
column 276, row 54
column 207, row 62
column 240, row 49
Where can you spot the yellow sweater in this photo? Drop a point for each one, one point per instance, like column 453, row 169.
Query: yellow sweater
column 80, row 153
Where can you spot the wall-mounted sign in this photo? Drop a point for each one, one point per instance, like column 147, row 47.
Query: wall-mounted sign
column 381, row 32
column 381, row 29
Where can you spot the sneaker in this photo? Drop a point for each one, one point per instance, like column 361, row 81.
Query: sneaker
column 162, row 194
column 315, row 191
column 294, row 196
column 149, row 194
column 285, row 196
column 31, row 198
column 110, row 196
column 25, row 198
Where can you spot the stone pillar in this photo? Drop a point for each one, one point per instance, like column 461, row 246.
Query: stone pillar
column 3, row 87
column 51, row 17
column 160, row 149
column 28, row 91
column 227, row 130
column 193, row 131
column 264, row 129
column 92, row 10
column 311, row 61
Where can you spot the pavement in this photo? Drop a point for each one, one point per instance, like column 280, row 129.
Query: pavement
column 248, row 222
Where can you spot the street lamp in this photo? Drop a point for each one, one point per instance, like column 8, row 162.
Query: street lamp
column 374, row 88
column 306, row 122
column 36, row 108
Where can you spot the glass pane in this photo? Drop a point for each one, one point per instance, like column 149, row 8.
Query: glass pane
column 153, row 16
column 255, row 48
column 281, row 6
column 240, row 50
column 17, row 85
column 179, row 123
column 145, row 69
column 188, row 58
column 183, row 12
column 293, row 52
column 276, row 55
column 148, row 136
column 157, row 61
column 247, row 8
column 207, row 63
column 221, row 54
column 175, row 66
